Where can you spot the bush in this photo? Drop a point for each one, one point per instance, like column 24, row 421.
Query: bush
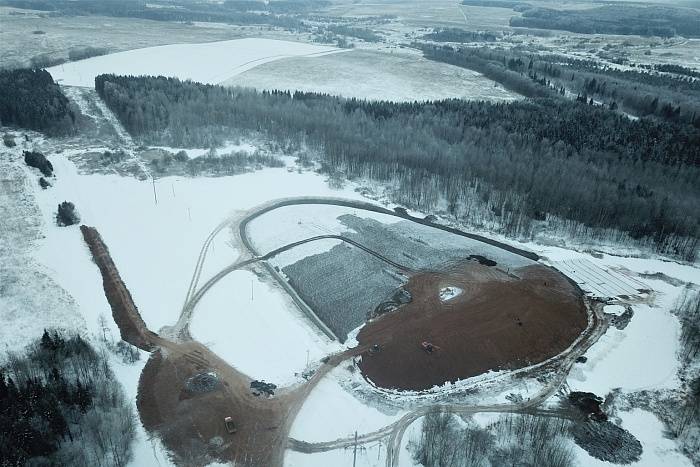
column 9, row 140
column 85, row 52
column 66, row 214
column 39, row 161
column 43, row 183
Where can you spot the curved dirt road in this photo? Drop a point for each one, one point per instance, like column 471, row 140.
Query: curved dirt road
column 181, row 418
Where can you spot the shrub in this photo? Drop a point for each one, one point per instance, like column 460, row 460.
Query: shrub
column 39, row 161
column 66, row 214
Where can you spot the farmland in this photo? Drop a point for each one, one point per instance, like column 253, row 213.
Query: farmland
column 395, row 76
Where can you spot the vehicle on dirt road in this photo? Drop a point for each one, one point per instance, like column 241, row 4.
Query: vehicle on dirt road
column 230, row 426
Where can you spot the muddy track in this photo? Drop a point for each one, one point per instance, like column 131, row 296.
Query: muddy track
column 187, row 421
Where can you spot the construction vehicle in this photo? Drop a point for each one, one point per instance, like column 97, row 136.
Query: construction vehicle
column 230, row 426
column 429, row 347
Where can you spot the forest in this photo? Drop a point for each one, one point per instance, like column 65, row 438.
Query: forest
column 60, row 405
column 638, row 92
column 514, row 167
column 522, row 440
column 30, row 99
column 663, row 21
column 459, row 35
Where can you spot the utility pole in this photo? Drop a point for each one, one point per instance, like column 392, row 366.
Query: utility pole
column 172, row 185
column 155, row 197
column 355, row 448
column 251, row 290
column 354, row 451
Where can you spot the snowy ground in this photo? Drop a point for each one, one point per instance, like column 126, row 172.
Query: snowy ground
column 374, row 75
column 63, row 289
column 241, row 313
column 210, row 63
column 155, row 247
column 331, row 412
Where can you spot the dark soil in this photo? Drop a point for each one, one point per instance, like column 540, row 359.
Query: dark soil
column 498, row 322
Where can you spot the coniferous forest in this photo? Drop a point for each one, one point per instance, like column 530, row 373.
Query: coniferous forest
column 60, row 405
column 587, row 167
column 30, row 99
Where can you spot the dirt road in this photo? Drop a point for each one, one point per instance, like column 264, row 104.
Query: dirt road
column 190, row 423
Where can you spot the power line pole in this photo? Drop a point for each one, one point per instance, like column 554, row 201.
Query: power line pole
column 354, row 451
column 155, row 197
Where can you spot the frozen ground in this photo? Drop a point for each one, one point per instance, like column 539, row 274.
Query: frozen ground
column 210, row 63
column 58, row 284
column 30, row 297
column 331, row 412
column 256, row 326
column 376, row 75
column 304, row 221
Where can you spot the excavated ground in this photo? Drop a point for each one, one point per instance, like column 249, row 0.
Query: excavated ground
column 502, row 320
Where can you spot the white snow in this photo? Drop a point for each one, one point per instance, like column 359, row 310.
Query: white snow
column 155, row 246
column 304, row 221
column 448, row 293
column 374, row 75
column 368, row 455
column 642, row 356
column 616, row 310
column 330, row 413
column 227, row 148
column 255, row 326
column 210, row 63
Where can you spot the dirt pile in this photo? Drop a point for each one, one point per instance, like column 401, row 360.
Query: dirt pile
column 501, row 320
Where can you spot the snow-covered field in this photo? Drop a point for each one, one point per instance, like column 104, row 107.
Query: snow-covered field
column 155, row 246
column 241, row 313
column 211, row 62
column 373, row 75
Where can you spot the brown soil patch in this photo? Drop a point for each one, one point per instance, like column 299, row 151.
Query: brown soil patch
column 500, row 321
column 131, row 326
column 191, row 424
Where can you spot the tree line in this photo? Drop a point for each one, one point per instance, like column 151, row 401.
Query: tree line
column 60, row 405
column 459, row 35
column 512, row 167
column 29, row 98
column 663, row 21
column 637, row 92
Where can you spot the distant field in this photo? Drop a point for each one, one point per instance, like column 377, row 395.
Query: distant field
column 373, row 75
column 435, row 13
column 209, row 63
column 57, row 35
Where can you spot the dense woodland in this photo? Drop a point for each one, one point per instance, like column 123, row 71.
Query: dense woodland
column 522, row 440
column 459, row 35
column 60, row 405
column 639, row 92
column 30, row 99
column 510, row 166
column 640, row 20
